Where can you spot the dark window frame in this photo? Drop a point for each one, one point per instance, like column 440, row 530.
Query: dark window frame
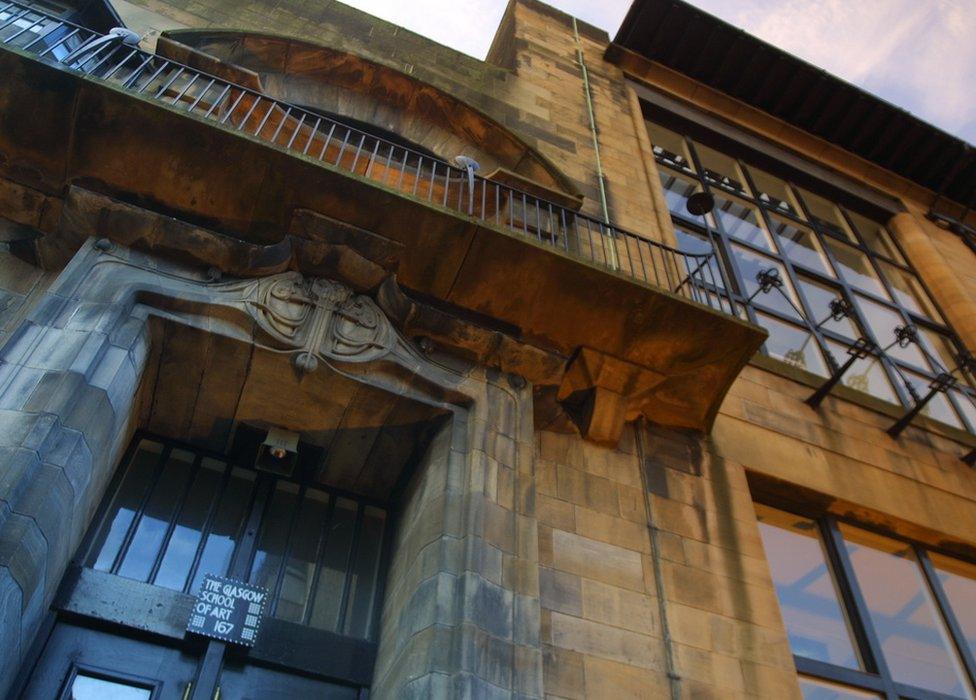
column 894, row 368
column 876, row 677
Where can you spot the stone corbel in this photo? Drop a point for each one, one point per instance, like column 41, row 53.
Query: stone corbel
column 601, row 393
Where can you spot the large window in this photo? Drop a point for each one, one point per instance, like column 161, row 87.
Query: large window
column 824, row 258
column 868, row 615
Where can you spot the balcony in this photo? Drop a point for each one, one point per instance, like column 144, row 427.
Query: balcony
column 85, row 110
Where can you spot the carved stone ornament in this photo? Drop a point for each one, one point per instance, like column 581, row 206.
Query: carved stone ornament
column 319, row 318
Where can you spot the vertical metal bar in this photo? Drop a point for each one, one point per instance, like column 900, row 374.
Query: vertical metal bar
column 169, row 82
column 342, row 148
column 213, row 105
column 173, row 519
column 447, row 185
column 186, row 87
column 193, row 105
column 40, row 37
column 240, row 126
column 372, row 158
column 233, row 107
column 286, row 551
column 14, row 18
column 564, row 228
column 359, row 150
column 498, row 203
column 134, row 525
column 60, row 41
column 298, row 128
column 321, row 544
column 281, row 124
column 24, row 29
column 552, row 225
column 326, row 141
column 416, row 178
column 119, row 65
column 484, row 196
column 208, row 521
column 433, row 175
column 264, row 120
column 389, row 165
column 311, row 135
column 350, row 558
column 403, row 170
column 640, row 255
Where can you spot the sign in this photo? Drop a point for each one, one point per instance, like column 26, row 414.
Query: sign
column 228, row 610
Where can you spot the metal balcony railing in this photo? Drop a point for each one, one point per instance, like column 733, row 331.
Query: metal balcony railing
column 115, row 58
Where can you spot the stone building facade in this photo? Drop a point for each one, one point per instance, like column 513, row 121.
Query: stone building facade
column 444, row 356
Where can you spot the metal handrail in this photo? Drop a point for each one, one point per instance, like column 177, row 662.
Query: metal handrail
column 114, row 58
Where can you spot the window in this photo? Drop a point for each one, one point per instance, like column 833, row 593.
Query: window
column 318, row 552
column 869, row 615
column 824, row 257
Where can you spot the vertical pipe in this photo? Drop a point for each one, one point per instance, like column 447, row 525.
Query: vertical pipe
column 601, row 179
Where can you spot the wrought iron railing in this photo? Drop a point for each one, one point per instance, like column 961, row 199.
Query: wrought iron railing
column 116, row 58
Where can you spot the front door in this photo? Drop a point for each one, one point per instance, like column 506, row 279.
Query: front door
column 174, row 514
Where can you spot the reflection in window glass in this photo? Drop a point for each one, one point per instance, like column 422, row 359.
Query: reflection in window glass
column 826, row 214
column 800, row 245
column 819, row 296
column 958, row 579
column 774, row 192
column 940, row 349
column 719, row 169
column 883, row 321
column 669, row 148
column 822, row 690
column 808, row 596
column 938, row 408
column 856, row 268
column 865, row 375
column 741, row 220
column 332, row 574
column 908, row 291
column 225, row 530
column 912, row 635
column 750, row 265
column 677, row 190
column 793, row 345
column 365, row 573
column 85, row 687
column 299, row 574
column 876, row 237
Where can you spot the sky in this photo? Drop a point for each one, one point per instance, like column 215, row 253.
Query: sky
column 917, row 54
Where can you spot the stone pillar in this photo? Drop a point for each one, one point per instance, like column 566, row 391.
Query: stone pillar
column 68, row 378
column 958, row 306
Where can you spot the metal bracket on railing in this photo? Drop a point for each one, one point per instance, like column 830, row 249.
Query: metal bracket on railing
column 861, row 348
column 471, row 166
column 942, row 383
column 117, row 35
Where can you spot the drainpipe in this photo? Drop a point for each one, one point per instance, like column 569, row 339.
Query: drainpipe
column 674, row 678
column 601, row 179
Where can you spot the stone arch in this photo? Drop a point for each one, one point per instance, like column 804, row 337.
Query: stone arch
column 350, row 86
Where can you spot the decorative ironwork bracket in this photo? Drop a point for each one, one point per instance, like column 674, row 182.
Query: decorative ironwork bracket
column 940, row 384
column 861, row 348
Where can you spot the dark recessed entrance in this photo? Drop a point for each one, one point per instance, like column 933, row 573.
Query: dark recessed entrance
column 175, row 513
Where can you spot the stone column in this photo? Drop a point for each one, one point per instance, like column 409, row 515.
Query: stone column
column 958, row 306
column 68, row 378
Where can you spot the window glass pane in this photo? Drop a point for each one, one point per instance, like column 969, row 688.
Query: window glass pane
column 183, row 544
column 669, row 148
column 822, row 690
column 750, row 264
column 938, row 408
column 332, row 572
column 875, row 236
column 911, row 633
column 940, row 348
column 691, row 242
column 677, row 189
column 793, row 345
column 965, row 406
column 958, row 580
column 826, row 214
column 815, row 621
column 302, row 556
column 819, row 296
column 800, row 245
column 865, row 375
column 741, row 220
column 365, row 573
column 85, row 687
column 721, row 170
column 226, row 527
column 773, row 191
column 883, row 321
column 160, row 509
column 908, row 291
column 125, row 505
column 855, row 268
column 273, row 538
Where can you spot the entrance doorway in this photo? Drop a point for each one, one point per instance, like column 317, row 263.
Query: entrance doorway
column 174, row 514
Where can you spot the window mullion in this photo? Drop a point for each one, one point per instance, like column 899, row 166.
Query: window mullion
column 857, row 610
column 955, row 630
